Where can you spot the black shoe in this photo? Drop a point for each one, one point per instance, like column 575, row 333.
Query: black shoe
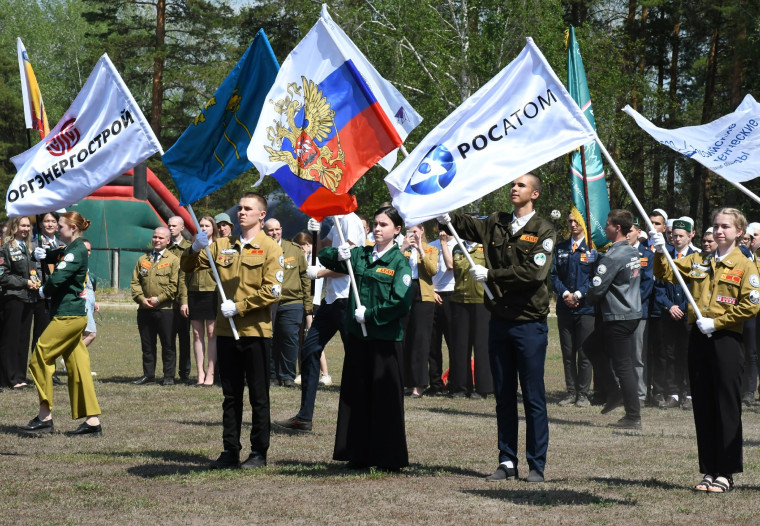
column 274, row 382
column 748, row 398
column 167, row 381
column 38, row 427
column 86, row 429
column 568, row 400
column 293, row 424
column 458, row 394
column 503, row 473
column 477, row 396
column 288, row 383
column 255, row 460
column 686, row 405
column 185, row 380
column 535, row 476
column 627, row 423
column 145, row 380
column 670, row 403
column 227, row 460
column 433, row 391
column 56, row 380
column 613, row 403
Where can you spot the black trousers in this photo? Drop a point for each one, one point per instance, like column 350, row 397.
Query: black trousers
column 611, row 347
column 14, row 349
column 673, row 359
column 152, row 323
column 469, row 338
column 241, row 362
column 573, row 331
column 41, row 321
column 441, row 331
column 181, row 331
column 749, row 378
column 715, row 368
column 417, row 340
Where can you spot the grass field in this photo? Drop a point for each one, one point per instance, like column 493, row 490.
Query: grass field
column 150, row 466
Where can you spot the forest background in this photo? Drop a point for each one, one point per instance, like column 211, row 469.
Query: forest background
column 679, row 63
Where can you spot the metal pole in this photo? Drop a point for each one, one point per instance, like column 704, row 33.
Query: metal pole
column 350, row 273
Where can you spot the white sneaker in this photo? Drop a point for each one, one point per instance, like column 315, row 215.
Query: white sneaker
column 325, row 379
column 297, row 381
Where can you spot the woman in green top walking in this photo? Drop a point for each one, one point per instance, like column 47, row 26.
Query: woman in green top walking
column 371, row 428
column 63, row 336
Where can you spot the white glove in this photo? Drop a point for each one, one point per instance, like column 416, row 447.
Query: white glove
column 344, row 252
column 42, row 293
column 359, row 314
column 479, row 272
column 313, row 225
column 311, row 272
column 201, row 242
column 592, row 255
column 706, row 325
column 40, row 253
column 657, row 240
column 229, row 309
column 444, row 219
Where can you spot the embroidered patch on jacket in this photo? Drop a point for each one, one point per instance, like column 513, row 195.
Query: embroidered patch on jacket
column 531, row 239
column 732, row 278
column 162, row 265
column 726, row 299
column 548, row 244
column 754, row 297
column 145, row 263
column 388, row 271
column 644, row 262
column 596, row 281
column 754, row 281
column 254, row 251
column 584, row 257
column 540, row 259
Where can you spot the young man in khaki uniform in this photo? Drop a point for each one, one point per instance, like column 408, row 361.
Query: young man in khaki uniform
column 180, row 319
column 250, row 268
column 154, row 287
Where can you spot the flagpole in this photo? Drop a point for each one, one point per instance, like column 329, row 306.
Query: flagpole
column 745, row 190
column 645, row 216
column 589, row 240
column 213, row 269
column 350, row 273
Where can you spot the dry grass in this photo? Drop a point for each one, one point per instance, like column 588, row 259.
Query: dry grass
column 151, row 464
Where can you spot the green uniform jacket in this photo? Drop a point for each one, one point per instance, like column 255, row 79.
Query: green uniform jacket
column 251, row 276
column 466, row 289
column 384, row 289
column 177, row 249
column 518, row 264
column 157, row 279
column 65, row 286
column 16, row 269
column 296, row 286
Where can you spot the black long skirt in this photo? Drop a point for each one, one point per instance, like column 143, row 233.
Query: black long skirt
column 371, row 429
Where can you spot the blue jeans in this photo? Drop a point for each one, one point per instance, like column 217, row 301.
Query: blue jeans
column 284, row 357
column 330, row 318
column 518, row 349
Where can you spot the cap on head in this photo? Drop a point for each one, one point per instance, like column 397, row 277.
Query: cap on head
column 222, row 218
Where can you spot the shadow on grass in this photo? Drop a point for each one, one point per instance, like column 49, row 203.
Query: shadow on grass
column 338, row 469
column 174, row 462
column 543, row 497
column 559, row 421
column 648, row 483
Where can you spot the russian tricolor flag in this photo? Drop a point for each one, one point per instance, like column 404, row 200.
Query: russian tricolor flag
column 321, row 127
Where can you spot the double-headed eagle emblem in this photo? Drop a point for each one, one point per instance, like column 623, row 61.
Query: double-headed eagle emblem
column 311, row 157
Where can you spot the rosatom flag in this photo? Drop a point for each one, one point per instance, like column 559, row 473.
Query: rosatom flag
column 211, row 151
column 34, row 109
column 729, row 146
column 519, row 120
column 598, row 199
column 321, row 127
column 103, row 134
column 401, row 114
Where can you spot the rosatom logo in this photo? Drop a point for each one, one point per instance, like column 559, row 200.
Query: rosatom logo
column 434, row 173
column 64, row 140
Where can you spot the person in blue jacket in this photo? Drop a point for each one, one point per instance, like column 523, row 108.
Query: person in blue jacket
column 570, row 273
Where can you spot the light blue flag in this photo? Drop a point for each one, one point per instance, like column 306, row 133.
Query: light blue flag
column 212, row 150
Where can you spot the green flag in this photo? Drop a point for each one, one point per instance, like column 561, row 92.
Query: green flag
column 598, row 199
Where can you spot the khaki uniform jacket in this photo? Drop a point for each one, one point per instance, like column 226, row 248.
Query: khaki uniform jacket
column 518, row 264
column 177, row 249
column 157, row 279
column 296, row 286
column 251, row 276
column 200, row 281
column 426, row 269
column 726, row 291
column 466, row 289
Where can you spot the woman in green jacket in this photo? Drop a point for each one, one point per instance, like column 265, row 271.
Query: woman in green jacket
column 63, row 336
column 371, row 428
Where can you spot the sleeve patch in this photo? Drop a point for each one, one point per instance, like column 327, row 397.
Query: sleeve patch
column 407, row 279
column 754, row 297
column 596, row 281
column 276, row 291
column 61, row 265
column 548, row 244
column 540, row 259
column 279, row 276
column 601, row 269
column 69, row 257
column 753, row 280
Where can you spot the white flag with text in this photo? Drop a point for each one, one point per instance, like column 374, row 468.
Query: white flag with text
column 522, row 118
column 729, row 146
column 102, row 135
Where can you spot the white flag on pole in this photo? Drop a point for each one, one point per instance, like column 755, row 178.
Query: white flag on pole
column 729, row 146
column 521, row 119
column 102, row 135
column 401, row 114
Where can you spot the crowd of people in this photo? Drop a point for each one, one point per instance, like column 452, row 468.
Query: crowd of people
column 648, row 320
